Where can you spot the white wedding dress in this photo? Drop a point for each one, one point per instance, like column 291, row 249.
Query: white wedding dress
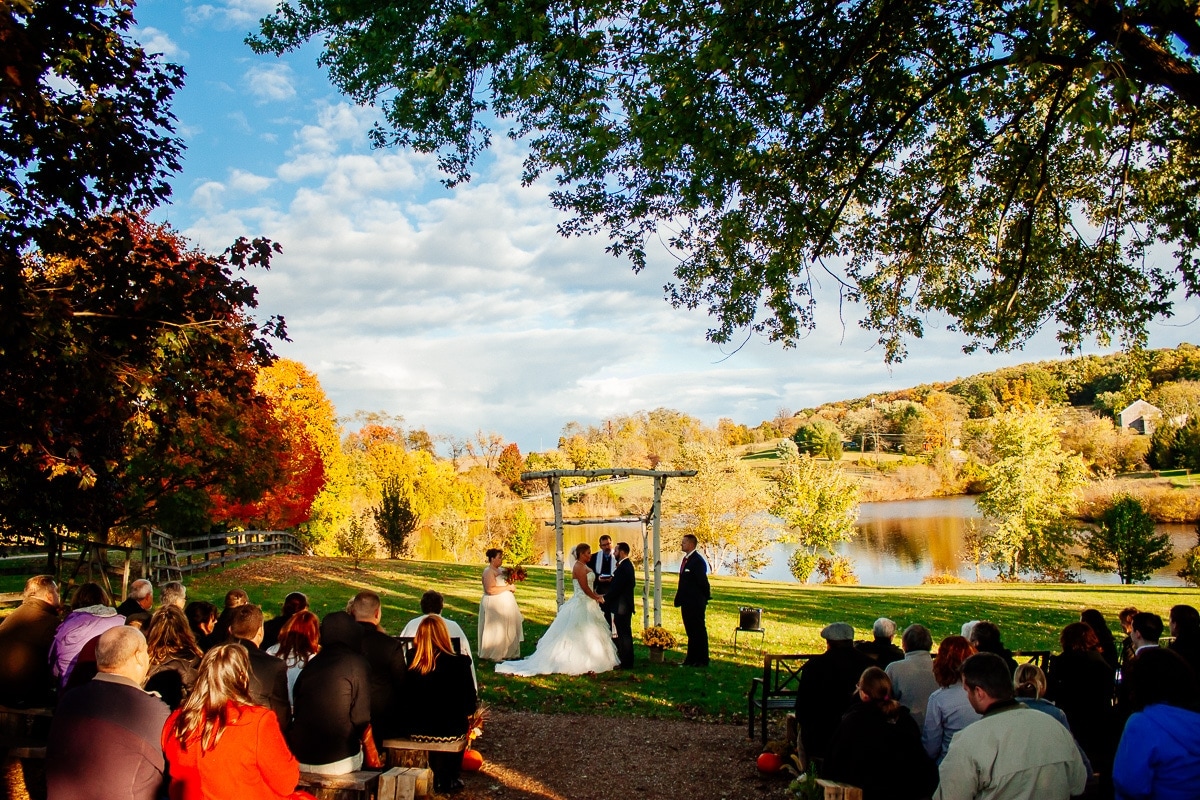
column 578, row 641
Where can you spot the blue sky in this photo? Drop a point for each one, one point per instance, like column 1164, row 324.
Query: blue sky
column 463, row 309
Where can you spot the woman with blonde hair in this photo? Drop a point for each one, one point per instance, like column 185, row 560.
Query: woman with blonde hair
column 439, row 697
column 877, row 746
column 219, row 744
column 174, row 655
column 948, row 710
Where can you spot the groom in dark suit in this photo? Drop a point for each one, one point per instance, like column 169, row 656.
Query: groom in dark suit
column 692, row 601
column 618, row 601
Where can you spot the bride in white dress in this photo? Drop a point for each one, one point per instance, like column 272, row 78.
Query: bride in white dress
column 579, row 640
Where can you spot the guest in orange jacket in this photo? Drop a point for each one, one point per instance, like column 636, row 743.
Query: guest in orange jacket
column 220, row 745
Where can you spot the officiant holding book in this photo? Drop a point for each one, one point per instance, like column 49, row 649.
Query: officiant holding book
column 604, row 563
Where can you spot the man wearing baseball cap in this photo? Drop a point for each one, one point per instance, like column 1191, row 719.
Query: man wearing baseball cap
column 827, row 688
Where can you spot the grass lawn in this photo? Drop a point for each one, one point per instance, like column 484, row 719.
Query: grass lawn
column 1030, row 616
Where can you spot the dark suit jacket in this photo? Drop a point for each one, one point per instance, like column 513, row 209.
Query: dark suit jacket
column 439, row 703
column 385, row 658
column 333, row 705
column 268, row 682
column 105, row 742
column 619, row 597
column 693, row 581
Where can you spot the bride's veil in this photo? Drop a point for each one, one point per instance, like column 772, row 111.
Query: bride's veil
column 574, row 554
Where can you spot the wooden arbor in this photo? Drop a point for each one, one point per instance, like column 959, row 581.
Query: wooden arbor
column 653, row 519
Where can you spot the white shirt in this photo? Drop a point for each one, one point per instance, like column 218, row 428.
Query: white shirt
column 454, row 629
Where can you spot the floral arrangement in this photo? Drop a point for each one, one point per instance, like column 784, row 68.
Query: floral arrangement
column 658, row 636
column 805, row 786
column 475, row 723
column 515, row 574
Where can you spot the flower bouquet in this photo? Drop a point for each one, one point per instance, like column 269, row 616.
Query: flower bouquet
column 515, row 574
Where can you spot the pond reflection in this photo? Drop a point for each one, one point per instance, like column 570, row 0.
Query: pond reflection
column 899, row 544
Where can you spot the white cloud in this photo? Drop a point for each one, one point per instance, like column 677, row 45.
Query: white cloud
column 154, row 40
column 270, row 82
column 248, row 182
column 229, row 13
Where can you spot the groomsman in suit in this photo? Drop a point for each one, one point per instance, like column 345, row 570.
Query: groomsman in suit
column 604, row 563
column 691, row 598
column 619, row 602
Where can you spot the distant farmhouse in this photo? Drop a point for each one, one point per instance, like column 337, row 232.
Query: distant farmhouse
column 1141, row 417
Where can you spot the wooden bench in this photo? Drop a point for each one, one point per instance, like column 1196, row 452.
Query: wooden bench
column 415, row 752
column 839, row 791
column 405, row 783
column 1039, row 657
column 776, row 688
column 361, row 785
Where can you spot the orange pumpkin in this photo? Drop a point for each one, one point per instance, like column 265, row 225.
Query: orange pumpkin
column 770, row 762
column 472, row 760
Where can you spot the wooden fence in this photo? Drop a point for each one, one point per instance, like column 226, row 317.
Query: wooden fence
column 195, row 553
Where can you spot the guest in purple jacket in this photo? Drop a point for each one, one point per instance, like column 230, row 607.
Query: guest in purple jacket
column 91, row 615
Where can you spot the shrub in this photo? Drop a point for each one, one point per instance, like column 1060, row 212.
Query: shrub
column 837, row 571
column 942, row 579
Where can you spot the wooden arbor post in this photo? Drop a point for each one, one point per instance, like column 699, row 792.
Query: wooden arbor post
column 554, row 478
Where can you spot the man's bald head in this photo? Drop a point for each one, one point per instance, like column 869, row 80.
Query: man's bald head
column 122, row 651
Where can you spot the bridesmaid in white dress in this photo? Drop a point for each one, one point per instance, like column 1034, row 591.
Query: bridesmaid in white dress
column 501, row 628
column 579, row 640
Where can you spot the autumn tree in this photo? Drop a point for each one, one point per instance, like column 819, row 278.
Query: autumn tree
column 128, row 395
column 509, row 467
column 818, row 504
column 1125, row 542
column 298, row 393
column 723, row 506
column 128, row 358
column 1031, row 493
column 520, row 545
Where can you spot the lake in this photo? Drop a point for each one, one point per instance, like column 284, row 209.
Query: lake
column 899, row 543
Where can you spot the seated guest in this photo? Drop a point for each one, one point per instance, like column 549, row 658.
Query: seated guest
column 136, row 608
column 91, row 615
column 272, row 628
column 1012, row 751
column 333, row 701
column 385, row 659
column 1145, row 630
column 949, row 710
column 173, row 593
column 1029, row 684
column 268, row 674
column 1126, row 618
column 202, row 619
column 220, row 744
column 881, row 650
column 912, row 676
column 1108, row 645
column 233, row 599
column 826, row 689
column 25, row 638
column 439, row 698
column 174, row 655
column 1081, row 684
column 877, row 746
column 1184, row 622
column 104, row 739
column 300, row 641
column 432, row 604
column 985, row 637
column 1159, row 753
